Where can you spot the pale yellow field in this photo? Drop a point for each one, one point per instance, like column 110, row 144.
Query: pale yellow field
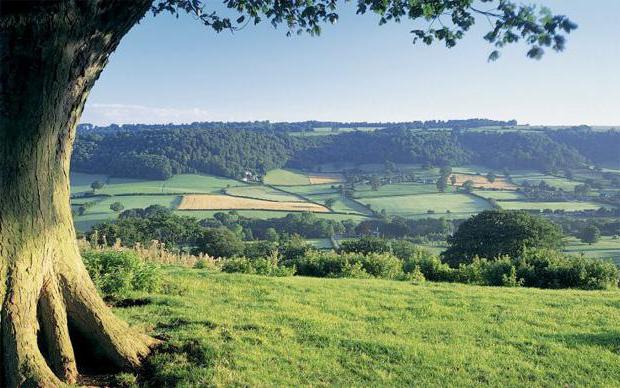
column 480, row 181
column 225, row 202
column 325, row 178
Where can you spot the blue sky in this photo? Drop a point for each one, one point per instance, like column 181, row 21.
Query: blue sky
column 176, row 70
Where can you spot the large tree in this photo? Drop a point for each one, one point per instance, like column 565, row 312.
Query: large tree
column 51, row 54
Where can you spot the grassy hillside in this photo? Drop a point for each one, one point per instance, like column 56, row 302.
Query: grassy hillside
column 227, row 329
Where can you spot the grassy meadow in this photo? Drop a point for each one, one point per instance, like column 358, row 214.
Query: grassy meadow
column 246, row 330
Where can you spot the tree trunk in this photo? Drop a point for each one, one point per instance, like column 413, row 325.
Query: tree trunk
column 51, row 53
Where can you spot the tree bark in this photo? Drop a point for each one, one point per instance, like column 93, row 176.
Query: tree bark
column 51, row 53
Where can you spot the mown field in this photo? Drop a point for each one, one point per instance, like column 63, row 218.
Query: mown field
column 245, row 330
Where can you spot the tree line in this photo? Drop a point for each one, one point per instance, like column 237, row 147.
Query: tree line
column 151, row 153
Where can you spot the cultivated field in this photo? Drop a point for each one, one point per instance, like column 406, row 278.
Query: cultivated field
column 282, row 177
column 225, row 202
column 245, row 330
column 325, row 178
column 481, row 181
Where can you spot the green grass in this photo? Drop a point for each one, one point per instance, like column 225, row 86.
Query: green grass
column 605, row 248
column 342, row 205
column 101, row 211
column 305, row 190
column 460, row 204
column 535, row 178
column 499, row 195
column 281, row 177
column 80, row 182
column 262, row 192
column 194, row 183
column 365, row 191
column 244, row 330
column 568, row 206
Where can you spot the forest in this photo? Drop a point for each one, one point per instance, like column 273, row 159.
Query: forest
column 152, row 152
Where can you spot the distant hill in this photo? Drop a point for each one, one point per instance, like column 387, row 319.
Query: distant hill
column 233, row 149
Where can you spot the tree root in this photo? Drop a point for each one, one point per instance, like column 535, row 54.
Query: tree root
column 35, row 319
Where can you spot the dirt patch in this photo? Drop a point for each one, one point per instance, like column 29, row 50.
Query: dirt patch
column 225, row 202
column 481, row 181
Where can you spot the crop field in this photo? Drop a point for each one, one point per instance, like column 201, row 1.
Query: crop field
column 567, row 206
column 481, row 181
column 262, row 192
column 460, row 204
column 325, row 178
column 247, row 330
column 225, row 202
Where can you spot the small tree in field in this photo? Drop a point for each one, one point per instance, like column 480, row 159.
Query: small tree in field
column 453, row 179
column 52, row 54
column 468, row 186
column 96, row 185
column 117, row 207
column 590, row 234
column 329, row 202
column 491, row 177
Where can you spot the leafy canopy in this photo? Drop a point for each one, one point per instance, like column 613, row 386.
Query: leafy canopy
column 445, row 21
column 495, row 233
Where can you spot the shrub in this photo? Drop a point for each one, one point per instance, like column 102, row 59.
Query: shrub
column 117, row 272
column 546, row 268
column 333, row 264
column 366, row 245
column 430, row 266
column 269, row 266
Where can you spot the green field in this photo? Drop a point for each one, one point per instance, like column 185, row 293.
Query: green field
column 245, row 330
column 341, row 205
column 101, row 210
column 499, row 195
column 568, row 206
column 193, row 183
column 365, row 191
column 605, row 248
column 262, row 192
column 281, row 177
column 535, row 178
column 457, row 204
column 80, row 182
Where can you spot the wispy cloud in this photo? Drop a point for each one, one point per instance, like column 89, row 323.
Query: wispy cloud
column 104, row 114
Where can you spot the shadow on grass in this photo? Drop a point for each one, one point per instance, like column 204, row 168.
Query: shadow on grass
column 178, row 364
column 609, row 340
